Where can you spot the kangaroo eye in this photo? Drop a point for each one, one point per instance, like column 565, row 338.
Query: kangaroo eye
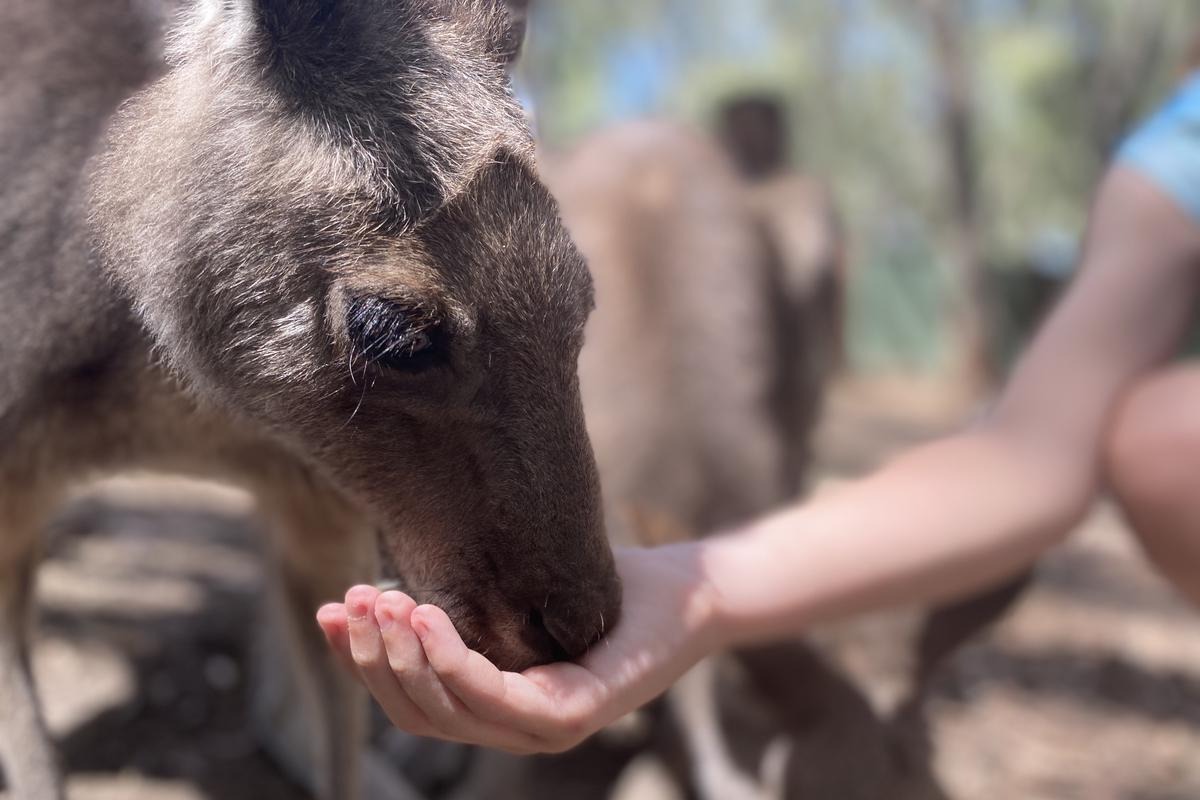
column 393, row 335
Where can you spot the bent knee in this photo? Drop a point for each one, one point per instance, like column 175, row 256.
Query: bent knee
column 1152, row 453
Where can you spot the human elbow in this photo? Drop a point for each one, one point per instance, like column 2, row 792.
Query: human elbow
column 1061, row 496
column 1152, row 452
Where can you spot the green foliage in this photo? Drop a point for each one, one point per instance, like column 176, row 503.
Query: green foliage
column 1056, row 83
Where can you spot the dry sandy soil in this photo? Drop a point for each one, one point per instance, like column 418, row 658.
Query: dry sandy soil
column 1090, row 689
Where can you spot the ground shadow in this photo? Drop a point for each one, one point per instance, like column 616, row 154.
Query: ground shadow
column 187, row 719
column 1099, row 680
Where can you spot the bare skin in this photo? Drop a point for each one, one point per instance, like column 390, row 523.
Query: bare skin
column 1152, row 460
column 945, row 519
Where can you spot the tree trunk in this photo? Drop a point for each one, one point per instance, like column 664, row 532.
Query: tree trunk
column 970, row 310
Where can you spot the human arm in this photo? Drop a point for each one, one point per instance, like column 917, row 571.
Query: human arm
column 940, row 521
column 970, row 510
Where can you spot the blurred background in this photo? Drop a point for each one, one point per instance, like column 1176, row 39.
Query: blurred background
column 960, row 139
column 945, row 153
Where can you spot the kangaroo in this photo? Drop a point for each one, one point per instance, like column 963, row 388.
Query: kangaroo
column 693, row 373
column 802, row 226
column 685, row 372
column 299, row 246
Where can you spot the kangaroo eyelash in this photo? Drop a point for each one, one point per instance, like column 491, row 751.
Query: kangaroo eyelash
column 392, row 334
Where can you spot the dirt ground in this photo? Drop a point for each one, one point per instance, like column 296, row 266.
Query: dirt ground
column 1090, row 689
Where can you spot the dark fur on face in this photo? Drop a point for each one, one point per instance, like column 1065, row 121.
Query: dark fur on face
column 327, row 215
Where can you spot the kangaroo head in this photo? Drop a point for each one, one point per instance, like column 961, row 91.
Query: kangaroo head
column 754, row 130
column 328, row 216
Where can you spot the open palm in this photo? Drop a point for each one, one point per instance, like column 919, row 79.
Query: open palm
column 431, row 684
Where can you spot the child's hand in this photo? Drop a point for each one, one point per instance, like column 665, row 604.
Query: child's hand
column 430, row 684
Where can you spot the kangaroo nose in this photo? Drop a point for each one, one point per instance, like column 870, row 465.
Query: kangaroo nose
column 571, row 626
column 555, row 645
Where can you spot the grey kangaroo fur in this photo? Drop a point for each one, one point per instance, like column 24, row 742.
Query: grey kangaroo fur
column 300, row 246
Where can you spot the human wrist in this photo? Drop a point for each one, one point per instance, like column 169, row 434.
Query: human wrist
column 752, row 584
column 698, row 599
column 721, row 623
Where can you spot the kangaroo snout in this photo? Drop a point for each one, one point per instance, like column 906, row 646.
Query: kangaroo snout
column 539, row 616
column 574, row 619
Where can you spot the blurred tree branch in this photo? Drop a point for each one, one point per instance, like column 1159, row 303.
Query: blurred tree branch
column 947, row 26
column 1121, row 52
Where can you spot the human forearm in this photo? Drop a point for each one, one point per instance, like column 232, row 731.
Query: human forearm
column 959, row 514
column 943, row 520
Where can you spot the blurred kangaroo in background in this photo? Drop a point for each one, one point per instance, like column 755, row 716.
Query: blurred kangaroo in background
column 678, row 375
column 690, row 372
column 697, row 359
column 308, row 255
column 802, row 229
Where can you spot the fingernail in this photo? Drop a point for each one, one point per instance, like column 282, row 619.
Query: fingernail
column 357, row 610
column 384, row 618
column 420, row 630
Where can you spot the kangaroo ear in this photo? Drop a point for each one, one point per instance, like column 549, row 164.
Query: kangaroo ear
column 286, row 24
column 285, row 21
column 754, row 130
column 499, row 24
column 512, row 39
column 301, row 44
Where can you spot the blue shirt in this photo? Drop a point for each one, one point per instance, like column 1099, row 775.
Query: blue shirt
column 1166, row 148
